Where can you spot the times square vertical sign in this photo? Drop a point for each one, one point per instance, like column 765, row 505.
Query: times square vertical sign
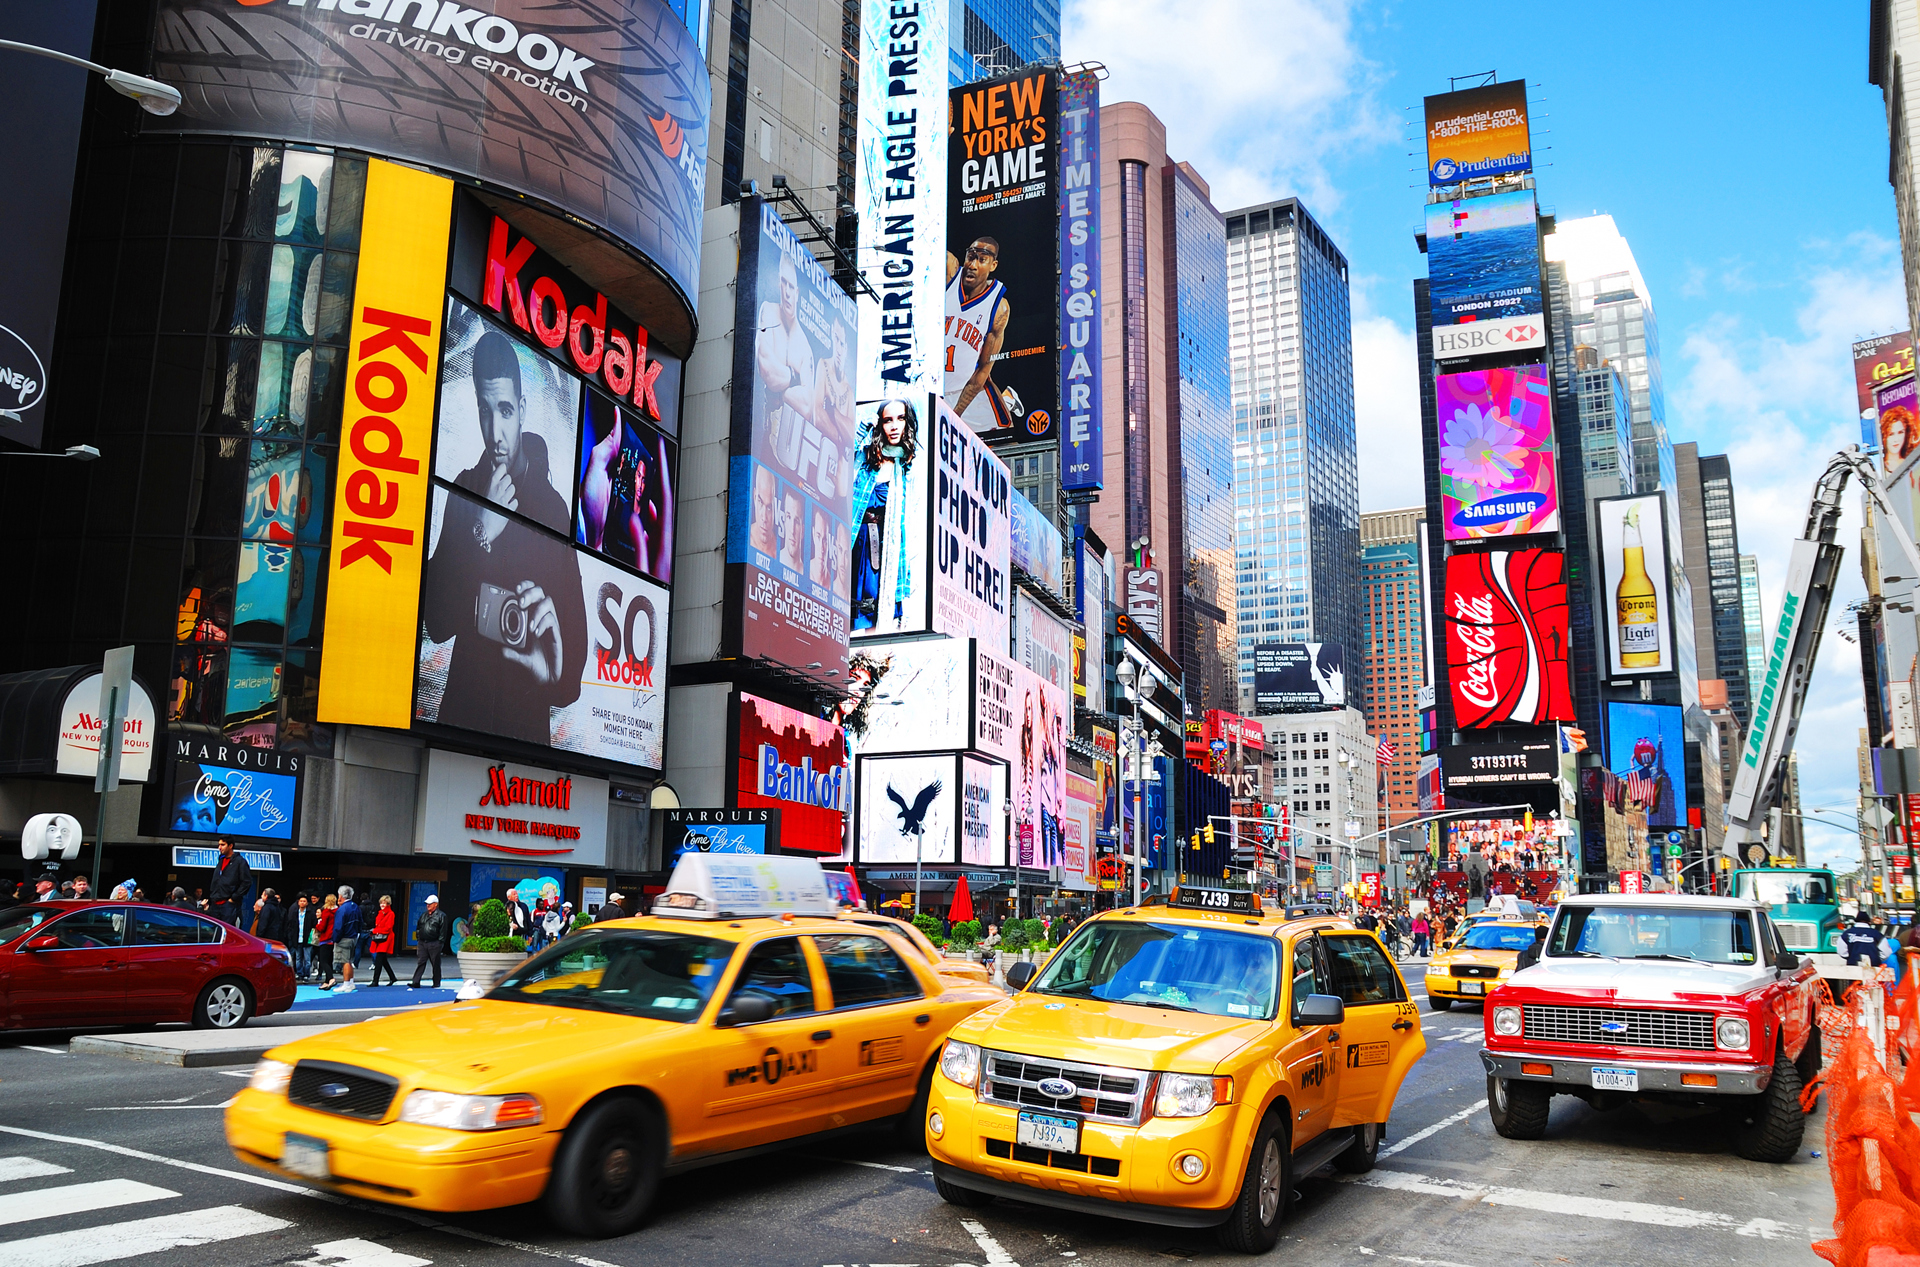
column 1082, row 472
column 901, row 194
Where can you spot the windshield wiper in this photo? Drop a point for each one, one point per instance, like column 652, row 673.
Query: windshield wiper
column 1580, row 954
column 1156, row 1002
column 1675, row 958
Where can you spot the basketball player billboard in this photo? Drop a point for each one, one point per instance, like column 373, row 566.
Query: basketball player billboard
column 790, row 482
column 1002, row 316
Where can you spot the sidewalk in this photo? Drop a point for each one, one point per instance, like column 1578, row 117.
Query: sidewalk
column 311, row 998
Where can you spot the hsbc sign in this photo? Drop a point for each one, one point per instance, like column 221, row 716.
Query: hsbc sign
column 1499, row 334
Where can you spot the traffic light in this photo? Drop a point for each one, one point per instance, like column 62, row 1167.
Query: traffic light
column 1196, row 840
column 1208, row 832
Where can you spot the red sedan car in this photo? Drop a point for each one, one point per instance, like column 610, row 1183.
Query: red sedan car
column 69, row 964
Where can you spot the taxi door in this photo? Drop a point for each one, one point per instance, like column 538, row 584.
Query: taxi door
column 754, row 1084
column 1380, row 1023
column 880, row 1025
column 1307, row 1054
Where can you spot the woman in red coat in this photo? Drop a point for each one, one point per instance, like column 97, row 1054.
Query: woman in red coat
column 384, row 942
column 323, row 940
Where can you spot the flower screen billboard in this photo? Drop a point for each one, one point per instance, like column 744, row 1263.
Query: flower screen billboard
column 1497, row 471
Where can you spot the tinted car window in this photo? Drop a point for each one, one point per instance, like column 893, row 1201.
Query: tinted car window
column 663, row 976
column 171, row 928
column 863, row 970
column 1306, row 976
column 20, row 919
column 1361, row 973
column 777, row 971
column 90, row 930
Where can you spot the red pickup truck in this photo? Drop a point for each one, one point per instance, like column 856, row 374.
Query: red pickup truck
column 1672, row 997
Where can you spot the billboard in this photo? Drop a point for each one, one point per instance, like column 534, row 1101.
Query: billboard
column 1002, row 304
column 1896, row 422
column 900, row 194
column 1646, row 748
column 1506, row 634
column 1024, row 720
column 1503, row 773
column 221, row 789
column 1876, row 362
column 972, row 526
column 1145, row 605
column 794, row 763
column 472, row 807
column 1041, row 642
column 921, row 696
column 1634, row 594
column 1082, row 459
column 1036, row 545
column 889, row 509
column 380, row 493
column 1478, row 132
column 909, row 809
column 983, row 811
column 735, row 831
column 789, row 540
column 1497, row 465
column 598, row 106
column 623, row 488
column 1483, row 271
column 1294, row 677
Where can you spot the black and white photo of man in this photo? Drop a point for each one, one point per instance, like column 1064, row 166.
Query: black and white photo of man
column 507, row 595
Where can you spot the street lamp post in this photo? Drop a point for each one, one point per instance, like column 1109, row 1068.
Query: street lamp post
column 1135, row 731
column 154, row 97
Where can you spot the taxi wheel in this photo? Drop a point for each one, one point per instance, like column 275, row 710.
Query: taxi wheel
column 224, row 1004
column 607, row 1168
column 1253, row 1224
column 1519, row 1109
column 1438, row 1003
column 911, row 1129
column 1360, row 1155
column 965, row 1198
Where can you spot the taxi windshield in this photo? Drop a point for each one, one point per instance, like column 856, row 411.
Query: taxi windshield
column 1708, row 936
column 1499, row 937
column 665, row 976
column 21, row 918
column 1786, row 888
column 1184, row 967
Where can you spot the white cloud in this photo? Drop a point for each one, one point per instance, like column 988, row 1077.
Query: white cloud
column 1256, row 99
column 1386, row 412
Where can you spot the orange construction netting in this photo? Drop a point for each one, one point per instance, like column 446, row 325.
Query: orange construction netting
column 1873, row 1145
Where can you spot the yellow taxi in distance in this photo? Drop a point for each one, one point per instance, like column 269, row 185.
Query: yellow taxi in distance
column 967, row 970
column 1177, row 1064
column 743, row 1014
column 1481, row 959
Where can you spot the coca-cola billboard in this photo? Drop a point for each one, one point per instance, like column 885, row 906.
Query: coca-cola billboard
column 1506, row 633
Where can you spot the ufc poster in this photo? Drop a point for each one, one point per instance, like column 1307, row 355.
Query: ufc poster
column 1506, row 630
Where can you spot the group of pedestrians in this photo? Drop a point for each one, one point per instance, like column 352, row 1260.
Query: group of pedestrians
column 1406, row 929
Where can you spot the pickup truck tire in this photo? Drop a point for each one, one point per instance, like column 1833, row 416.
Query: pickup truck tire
column 1439, row 1004
column 1360, row 1155
column 965, row 1198
column 1253, row 1224
column 1519, row 1109
column 1769, row 1126
column 607, row 1168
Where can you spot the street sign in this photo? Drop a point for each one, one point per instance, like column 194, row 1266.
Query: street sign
column 1322, row 875
column 1676, row 837
column 116, row 690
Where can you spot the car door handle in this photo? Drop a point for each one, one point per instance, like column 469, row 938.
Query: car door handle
column 922, row 1019
column 1402, row 1025
column 822, row 1035
column 1333, row 1036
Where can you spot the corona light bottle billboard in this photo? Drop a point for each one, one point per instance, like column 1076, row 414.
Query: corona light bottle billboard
column 1635, row 600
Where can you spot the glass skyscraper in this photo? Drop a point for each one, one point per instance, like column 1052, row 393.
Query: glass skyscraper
column 1203, row 403
column 987, row 37
column 1751, row 619
column 1296, row 478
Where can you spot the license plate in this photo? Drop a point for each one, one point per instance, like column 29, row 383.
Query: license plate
column 1055, row 1134
column 1473, row 987
column 306, row 1156
column 1616, row 1079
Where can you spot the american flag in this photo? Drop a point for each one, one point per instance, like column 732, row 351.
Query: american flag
column 1642, row 788
column 1384, row 752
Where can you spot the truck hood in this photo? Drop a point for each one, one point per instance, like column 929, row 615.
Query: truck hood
column 479, row 1046
column 1095, row 1032
column 1642, row 980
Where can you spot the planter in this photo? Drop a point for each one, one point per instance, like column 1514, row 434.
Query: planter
column 487, row 968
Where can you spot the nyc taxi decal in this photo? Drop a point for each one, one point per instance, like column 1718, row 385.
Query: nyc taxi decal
column 1315, row 1074
column 774, row 1065
column 880, row 1051
column 1361, row 1055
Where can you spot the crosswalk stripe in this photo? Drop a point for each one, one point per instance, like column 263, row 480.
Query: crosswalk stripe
column 12, row 1168
column 112, row 1242
column 1587, row 1207
column 74, row 1198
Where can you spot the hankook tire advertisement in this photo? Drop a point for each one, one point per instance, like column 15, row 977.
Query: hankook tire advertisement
column 598, row 106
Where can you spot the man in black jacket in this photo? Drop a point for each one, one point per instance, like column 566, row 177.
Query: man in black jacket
column 232, row 881
column 430, row 931
column 269, row 917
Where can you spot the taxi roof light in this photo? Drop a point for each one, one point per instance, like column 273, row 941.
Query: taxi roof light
column 745, row 886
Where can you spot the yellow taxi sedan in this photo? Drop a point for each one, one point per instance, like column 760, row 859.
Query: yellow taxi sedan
column 745, row 1013
column 1483, row 958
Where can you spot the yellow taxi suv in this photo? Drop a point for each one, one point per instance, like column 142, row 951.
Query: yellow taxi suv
column 1481, row 959
column 1177, row 1064
column 745, row 1014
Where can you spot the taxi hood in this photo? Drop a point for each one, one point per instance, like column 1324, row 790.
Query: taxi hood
column 475, row 1047
column 1096, row 1032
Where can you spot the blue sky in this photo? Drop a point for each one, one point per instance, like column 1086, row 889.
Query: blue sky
column 1739, row 148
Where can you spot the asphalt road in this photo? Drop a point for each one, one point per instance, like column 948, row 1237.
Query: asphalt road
column 103, row 1159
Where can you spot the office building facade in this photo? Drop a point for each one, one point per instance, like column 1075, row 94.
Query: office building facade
column 1606, row 426
column 1395, row 649
column 1324, row 768
column 989, row 37
column 1752, row 622
column 1296, row 481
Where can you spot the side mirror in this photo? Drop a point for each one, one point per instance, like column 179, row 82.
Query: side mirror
column 48, row 942
column 1020, row 975
column 1787, row 962
column 1319, row 1009
column 745, row 1009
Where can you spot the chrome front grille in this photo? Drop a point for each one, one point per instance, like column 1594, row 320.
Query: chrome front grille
column 1485, row 970
column 1106, row 1094
column 1799, row 936
column 1619, row 1027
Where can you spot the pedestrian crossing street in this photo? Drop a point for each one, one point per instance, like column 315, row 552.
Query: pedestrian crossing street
column 134, row 1219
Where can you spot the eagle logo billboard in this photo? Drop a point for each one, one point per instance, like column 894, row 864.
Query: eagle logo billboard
column 1506, row 632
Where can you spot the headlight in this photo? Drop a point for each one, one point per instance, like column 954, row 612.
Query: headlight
column 960, row 1062
column 1506, row 1020
column 271, row 1076
column 471, row 1112
column 1731, row 1032
column 1190, row 1095
column 1436, row 970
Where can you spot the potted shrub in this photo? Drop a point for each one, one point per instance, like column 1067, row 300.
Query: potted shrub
column 489, row 954
column 966, row 934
